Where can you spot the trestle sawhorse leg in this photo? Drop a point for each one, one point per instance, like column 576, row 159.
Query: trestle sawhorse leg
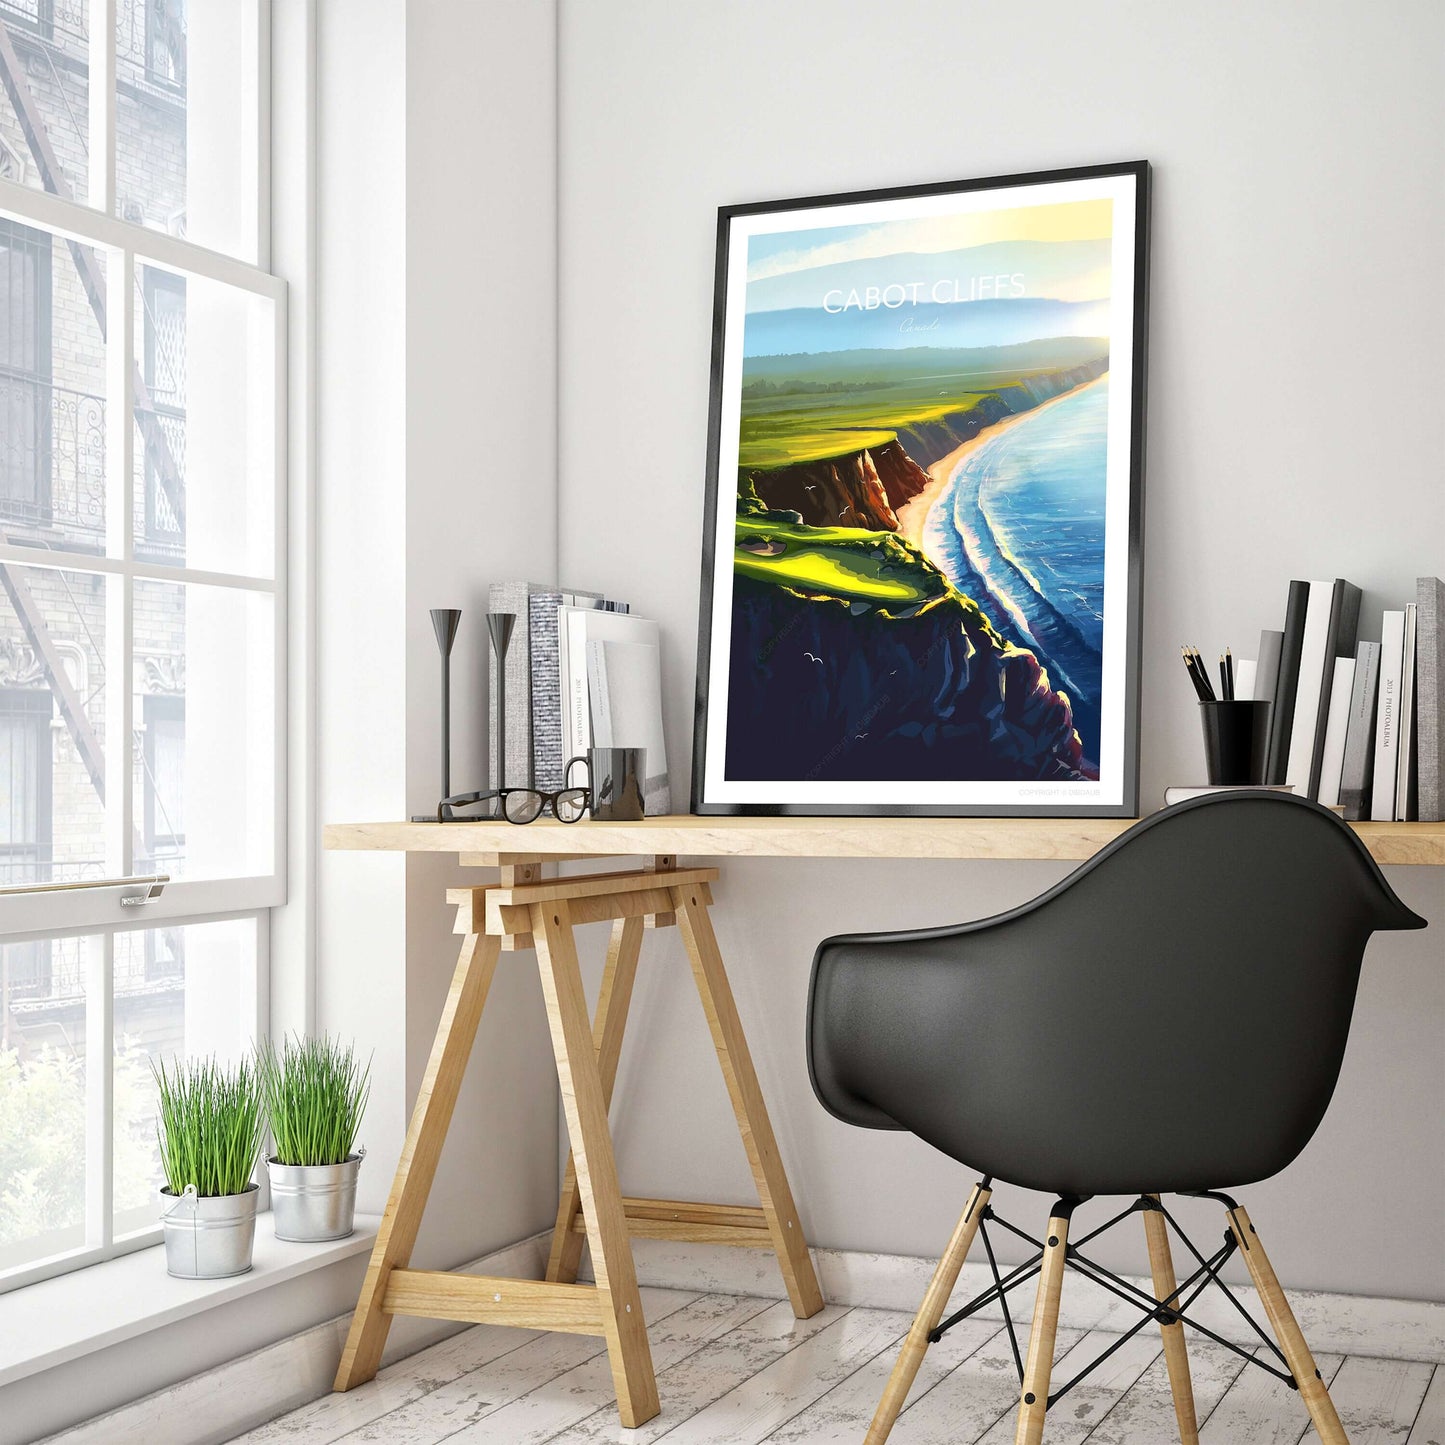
column 527, row 911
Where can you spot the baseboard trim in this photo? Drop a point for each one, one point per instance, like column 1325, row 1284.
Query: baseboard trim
column 254, row 1388
column 246, row 1392
column 1332, row 1323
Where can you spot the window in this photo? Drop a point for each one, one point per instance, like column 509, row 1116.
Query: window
column 25, row 373
column 141, row 587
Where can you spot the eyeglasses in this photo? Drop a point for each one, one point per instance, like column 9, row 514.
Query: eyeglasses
column 522, row 805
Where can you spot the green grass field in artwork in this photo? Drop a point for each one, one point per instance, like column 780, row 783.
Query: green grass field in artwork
column 803, row 408
column 846, row 563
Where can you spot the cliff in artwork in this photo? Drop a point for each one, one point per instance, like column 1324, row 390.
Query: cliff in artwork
column 854, row 658
column 865, row 487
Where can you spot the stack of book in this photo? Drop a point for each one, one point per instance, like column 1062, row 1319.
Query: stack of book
column 1356, row 724
column 582, row 672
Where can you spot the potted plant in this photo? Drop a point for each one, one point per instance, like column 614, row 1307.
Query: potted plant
column 315, row 1093
column 209, row 1129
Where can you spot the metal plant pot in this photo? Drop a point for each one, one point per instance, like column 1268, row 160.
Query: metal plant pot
column 208, row 1237
column 311, row 1202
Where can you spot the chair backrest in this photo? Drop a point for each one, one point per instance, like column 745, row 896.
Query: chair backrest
column 1171, row 1016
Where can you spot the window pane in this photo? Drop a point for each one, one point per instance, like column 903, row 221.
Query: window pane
column 42, row 1099
column 186, row 120
column 179, row 992
column 45, row 68
column 52, row 725
column 204, row 760
column 205, row 433
column 52, row 390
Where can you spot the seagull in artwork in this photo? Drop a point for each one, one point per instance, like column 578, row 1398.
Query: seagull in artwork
column 858, row 737
column 811, row 658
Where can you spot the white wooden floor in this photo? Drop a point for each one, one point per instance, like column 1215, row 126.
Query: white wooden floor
column 739, row 1371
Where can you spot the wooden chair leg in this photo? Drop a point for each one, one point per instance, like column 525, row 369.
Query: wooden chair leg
column 1176, row 1352
column 618, row 976
column 417, row 1166
column 1287, row 1332
column 1034, row 1403
column 585, row 1108
column 747, row 1101
column 915, row 1345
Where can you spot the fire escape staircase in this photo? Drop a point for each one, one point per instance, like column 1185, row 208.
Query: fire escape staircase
column 157, row 447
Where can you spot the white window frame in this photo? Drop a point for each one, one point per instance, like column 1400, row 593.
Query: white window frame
column 97, row 912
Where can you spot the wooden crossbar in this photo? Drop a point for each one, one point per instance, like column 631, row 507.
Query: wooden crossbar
column 732, row 1224
column 486, row 1300
column 549, row 890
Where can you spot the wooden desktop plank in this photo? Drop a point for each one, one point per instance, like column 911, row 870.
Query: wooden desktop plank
column 1065, row 839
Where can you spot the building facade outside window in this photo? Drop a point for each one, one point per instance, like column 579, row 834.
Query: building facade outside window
column 141, row 592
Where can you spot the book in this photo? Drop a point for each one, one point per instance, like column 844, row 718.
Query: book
column 1266, row 666
column 1430, row 697
column 1387, row 724
column 1333, row 753
column 547, row 752
column 1180, row 795
column 1405, row 757
column 1331, row 617
column 513, row 597
column 1244, row 676
column 625, row 704
column 1359, row 762
column 577, row 626
column 1287, row 680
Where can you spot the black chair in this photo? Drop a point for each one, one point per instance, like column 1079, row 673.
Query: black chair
column 1171, row 1018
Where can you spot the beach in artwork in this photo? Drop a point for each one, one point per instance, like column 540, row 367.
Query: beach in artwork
column 922, row 473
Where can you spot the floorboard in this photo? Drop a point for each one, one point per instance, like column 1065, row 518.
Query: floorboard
column 741, row 1371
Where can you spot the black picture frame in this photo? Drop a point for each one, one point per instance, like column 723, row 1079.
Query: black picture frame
column 707, row 803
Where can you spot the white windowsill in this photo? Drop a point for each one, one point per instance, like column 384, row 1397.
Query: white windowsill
column 56, row 1320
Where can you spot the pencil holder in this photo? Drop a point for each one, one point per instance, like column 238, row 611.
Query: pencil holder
column 1236, row 741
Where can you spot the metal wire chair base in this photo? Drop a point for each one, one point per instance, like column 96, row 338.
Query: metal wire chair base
column 1168, row 1311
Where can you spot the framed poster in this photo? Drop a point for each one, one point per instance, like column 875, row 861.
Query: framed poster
column 921, row 557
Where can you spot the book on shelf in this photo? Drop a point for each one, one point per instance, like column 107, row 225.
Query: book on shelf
column 633, row 702
column 513, row 597
column 1332, row 615
column 1405, row 763
column 1387, row 720
column 1430, row 697
column 1333, row 753
column 548, row 755
column 1287, row 681
column 1200, row 790
column 1266, row 665
column 1358, row 766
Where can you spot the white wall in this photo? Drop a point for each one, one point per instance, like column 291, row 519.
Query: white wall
column 1294, row 431
column 436, row 261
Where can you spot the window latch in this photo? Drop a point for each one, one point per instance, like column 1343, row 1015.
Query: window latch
column 146, row 889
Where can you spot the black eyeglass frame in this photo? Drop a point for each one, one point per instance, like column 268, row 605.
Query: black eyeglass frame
column 549, row 804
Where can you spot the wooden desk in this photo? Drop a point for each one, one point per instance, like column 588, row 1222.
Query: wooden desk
column 1064, row 838
column 526, row 910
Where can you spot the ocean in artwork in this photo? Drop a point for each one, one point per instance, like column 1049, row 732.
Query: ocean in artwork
column 1020, row 527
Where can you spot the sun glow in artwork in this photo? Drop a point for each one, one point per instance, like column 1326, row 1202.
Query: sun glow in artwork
column 924, row 501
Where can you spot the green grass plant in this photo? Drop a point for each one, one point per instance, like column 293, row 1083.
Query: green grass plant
column 208, row 1125
column 315, row 1094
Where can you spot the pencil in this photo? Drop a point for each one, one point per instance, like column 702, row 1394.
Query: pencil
column 1193, row 676
column 1203, row 677
column 1228, row 673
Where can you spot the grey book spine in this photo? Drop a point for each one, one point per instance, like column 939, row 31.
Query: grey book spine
column 1359, row 768
column 1429, row 681
column 1266, row 668
column 512, row 597
column 1281, row 718
column 547, row 756
column 1407, row 809
column 1340, row 642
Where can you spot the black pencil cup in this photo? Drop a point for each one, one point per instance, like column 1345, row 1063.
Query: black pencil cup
column 1236, row 741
